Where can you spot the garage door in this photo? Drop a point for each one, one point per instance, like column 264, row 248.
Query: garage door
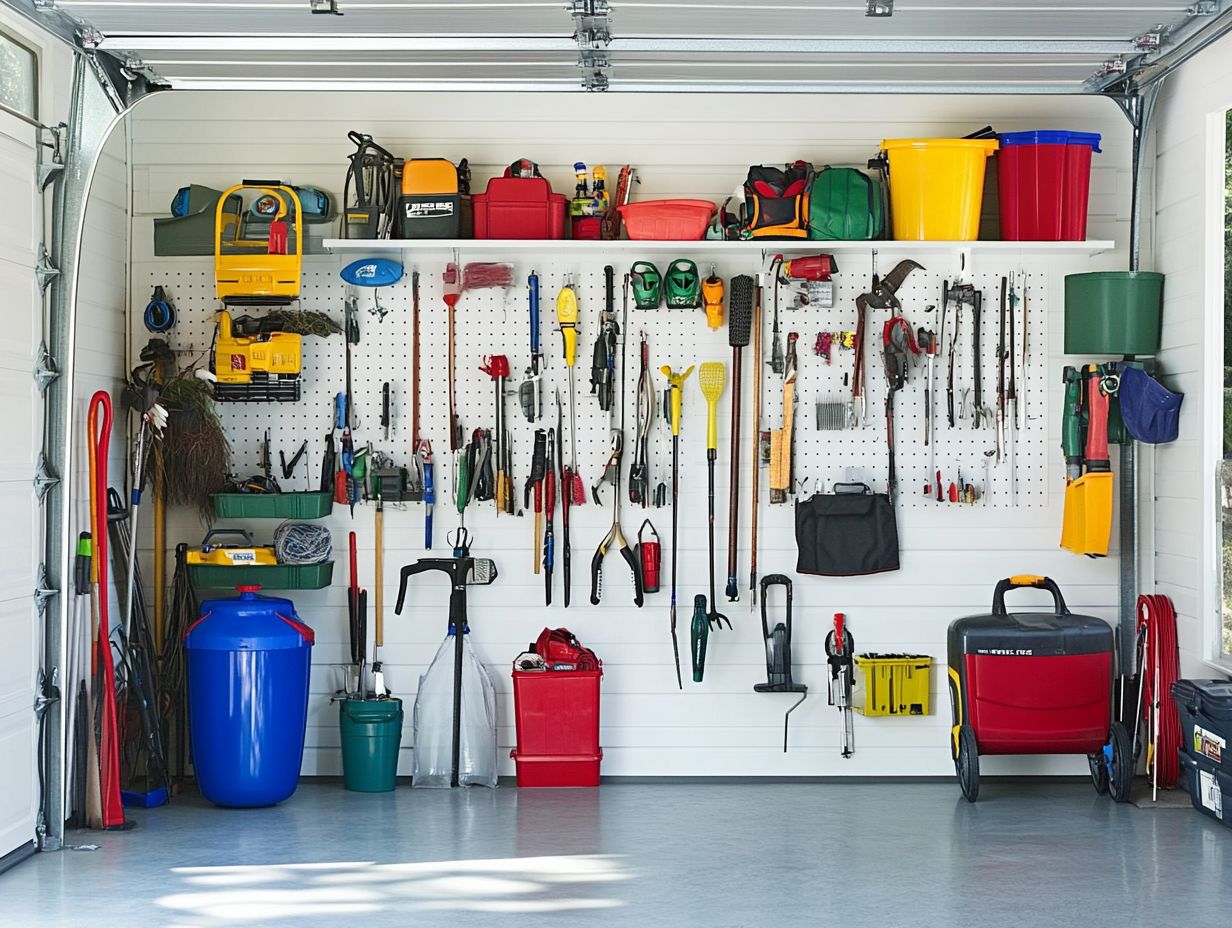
column 20, row 437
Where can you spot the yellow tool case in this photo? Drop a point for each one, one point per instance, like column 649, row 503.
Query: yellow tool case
column 241, row 555
column 433, row 203
column 270, row 275
column 893, row 684
column 261, row 368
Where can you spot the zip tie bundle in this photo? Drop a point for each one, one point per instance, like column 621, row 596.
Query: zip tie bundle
column 1160, row 662
column 302, row 543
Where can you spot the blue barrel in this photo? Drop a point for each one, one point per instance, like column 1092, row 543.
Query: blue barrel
column 249, row 660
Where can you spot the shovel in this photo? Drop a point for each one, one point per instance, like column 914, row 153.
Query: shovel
column 1087, row 524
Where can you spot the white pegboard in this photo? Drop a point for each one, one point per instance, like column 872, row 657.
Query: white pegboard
column 496, row 321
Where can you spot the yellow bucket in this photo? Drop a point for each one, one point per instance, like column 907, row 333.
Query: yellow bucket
column 937, row 187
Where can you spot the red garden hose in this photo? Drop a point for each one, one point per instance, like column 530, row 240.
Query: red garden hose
column 1160, row 659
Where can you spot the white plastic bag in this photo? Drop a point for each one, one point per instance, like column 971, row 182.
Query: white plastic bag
column 433, row 756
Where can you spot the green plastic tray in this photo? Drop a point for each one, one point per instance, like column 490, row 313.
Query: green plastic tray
column 308, row 504
column 266, row 576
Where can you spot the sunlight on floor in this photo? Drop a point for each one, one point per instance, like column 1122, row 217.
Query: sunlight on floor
column 526, row 885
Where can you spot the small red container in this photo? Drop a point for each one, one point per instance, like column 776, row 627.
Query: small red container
column 1044, row 182
column 667, row 220
column 587, row 228
column 557, row 719
column 520, row 208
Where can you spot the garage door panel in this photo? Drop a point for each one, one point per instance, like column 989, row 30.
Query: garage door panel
column 19, row 543
column 17, row 659
column 18, row 774
column 19, row 337
column 21, row 229
column 20, row 418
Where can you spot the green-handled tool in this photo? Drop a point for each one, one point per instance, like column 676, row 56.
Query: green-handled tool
column 699, row 634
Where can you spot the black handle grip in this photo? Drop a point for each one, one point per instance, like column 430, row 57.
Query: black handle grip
column 596, row 569
column 1014, row 583
column 627, row 553
column 244, row 533
column 446, row 565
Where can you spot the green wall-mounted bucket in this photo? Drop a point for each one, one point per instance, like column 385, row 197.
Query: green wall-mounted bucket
column 1113, row 312
column 371, row 736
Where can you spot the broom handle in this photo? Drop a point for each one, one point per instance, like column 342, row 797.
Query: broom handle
column 757, row 364
column 379, row 579
column 733, row 506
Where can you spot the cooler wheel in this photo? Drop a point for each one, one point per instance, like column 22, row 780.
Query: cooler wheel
column 1099, row 772
column 1119, row 756
column 967, row 764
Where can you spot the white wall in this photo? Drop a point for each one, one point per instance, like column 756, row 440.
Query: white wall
column 688, row 146
column 1188, row 248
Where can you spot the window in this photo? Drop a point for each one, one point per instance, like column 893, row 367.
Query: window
column 1225, row 649
column 18, row 78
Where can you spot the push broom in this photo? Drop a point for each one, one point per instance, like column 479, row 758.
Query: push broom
column 739, row 326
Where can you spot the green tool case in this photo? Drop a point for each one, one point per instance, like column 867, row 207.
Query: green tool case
column 846, row 205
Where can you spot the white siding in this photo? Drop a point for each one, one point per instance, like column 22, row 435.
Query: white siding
column 686, row 146
column 1188, row 248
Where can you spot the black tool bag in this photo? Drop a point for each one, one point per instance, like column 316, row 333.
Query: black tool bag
column 776, row 201
column 849, row 532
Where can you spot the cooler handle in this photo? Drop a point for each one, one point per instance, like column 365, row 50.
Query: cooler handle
column 1027, row 580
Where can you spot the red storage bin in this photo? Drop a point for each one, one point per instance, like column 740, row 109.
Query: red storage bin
column 557, row 719
column 667, row 220
column 1044, row 181
column 520, row 208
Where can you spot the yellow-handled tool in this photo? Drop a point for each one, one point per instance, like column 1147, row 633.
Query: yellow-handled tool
column 713, row 378
column 676, row 390
column 572, row 492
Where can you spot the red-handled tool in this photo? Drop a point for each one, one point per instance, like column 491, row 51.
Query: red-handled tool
column 99, row 423
column 840, row 654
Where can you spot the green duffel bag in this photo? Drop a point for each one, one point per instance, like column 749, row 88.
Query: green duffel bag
column 846, row 204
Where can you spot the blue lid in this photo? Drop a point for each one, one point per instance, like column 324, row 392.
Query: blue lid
column 248, row 622
column 1050, row 137
column 372, row 272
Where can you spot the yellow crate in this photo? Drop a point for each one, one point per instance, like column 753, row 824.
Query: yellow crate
column 893, row 684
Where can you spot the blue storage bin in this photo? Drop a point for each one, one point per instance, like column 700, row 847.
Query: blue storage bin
column 249, row 660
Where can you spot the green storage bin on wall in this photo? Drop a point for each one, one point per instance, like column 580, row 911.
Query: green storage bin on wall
column 1113, row 312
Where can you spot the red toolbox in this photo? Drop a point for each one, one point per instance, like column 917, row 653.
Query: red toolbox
column 556, row 708
column 1035, row 682
column 520, row 205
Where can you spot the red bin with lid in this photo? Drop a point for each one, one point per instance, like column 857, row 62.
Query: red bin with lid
column 557, row 716
column 1044, row 182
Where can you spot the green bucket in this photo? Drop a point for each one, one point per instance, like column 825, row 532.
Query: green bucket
column 1113, row 312
column 371, row 736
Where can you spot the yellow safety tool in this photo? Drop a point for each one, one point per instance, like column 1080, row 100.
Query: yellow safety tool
column 567, row 319
column 676, row 391
column 260, row 271
column 712, row 296
column 713, row 378
column 676, row 382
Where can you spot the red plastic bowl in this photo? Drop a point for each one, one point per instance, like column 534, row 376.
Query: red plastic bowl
column 667, row 220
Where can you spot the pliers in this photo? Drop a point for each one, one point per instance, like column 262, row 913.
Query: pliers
column 614, row 535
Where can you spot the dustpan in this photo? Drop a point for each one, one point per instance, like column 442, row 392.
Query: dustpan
column 1087, row 523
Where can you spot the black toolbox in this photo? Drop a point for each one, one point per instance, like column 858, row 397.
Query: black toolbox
column 1205, row 707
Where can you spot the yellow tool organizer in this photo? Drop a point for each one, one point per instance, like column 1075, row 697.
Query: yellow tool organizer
column 243, row 273
column 893, row 684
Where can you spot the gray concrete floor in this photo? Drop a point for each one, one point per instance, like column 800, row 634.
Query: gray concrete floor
column 716, row 855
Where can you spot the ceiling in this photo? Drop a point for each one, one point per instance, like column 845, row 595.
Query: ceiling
column 955, row 46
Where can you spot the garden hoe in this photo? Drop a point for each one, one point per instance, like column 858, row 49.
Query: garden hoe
column 676, row 390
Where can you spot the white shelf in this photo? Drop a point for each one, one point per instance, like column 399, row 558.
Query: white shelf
column 566, row 246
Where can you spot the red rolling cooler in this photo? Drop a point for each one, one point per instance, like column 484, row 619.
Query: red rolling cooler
column 1035, row 683
column 520, row 205
column 556, row 706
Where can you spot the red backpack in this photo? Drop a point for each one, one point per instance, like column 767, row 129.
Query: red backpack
column 560, row 646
